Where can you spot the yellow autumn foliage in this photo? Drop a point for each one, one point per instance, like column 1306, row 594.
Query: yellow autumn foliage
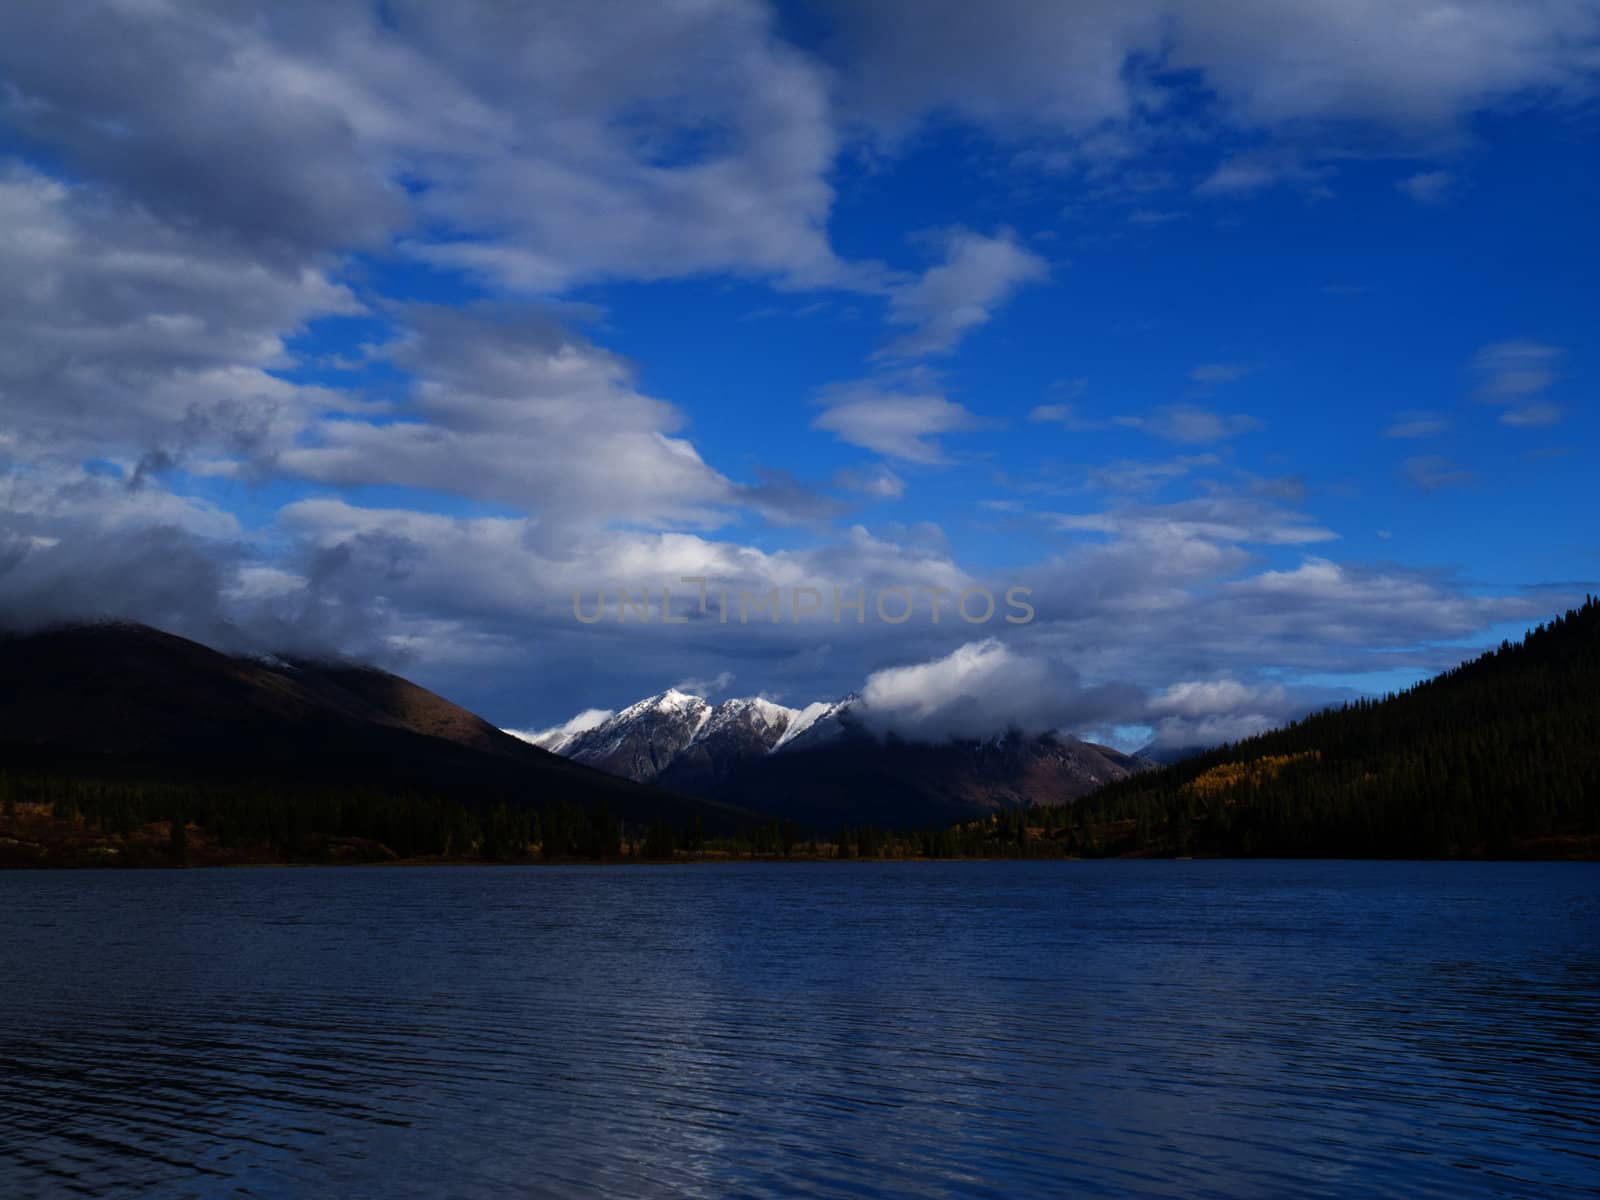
column 1222, row 779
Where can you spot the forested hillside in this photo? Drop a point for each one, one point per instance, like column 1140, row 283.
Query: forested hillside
column 122, row 744
column 1499, row 756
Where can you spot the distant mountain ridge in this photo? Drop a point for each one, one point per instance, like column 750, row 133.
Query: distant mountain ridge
column 821, row 764
column 135, row 701
column 647, row 738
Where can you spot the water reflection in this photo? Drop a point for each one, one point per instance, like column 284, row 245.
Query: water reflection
column 1160, row 1029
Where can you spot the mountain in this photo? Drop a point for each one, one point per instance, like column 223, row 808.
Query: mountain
column 675, row 729
column 820, row 766
column 1497, row 757
column 1165, row 756
column 130, row 702
column 857, row 778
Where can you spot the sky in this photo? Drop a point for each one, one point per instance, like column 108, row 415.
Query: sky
column 1255, row 339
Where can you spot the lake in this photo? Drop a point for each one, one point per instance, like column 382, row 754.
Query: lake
column 1002, row 1029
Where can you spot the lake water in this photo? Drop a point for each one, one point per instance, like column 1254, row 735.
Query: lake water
column 1186, row 1029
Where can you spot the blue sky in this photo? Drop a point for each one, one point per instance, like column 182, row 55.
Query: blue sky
column 1257, row 341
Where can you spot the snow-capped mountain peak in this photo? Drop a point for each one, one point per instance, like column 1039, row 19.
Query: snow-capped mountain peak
column 814, row 722
column 826, row 758
column 672, row 727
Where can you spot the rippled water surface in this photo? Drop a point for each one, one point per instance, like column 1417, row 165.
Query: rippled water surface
column 985, row 1029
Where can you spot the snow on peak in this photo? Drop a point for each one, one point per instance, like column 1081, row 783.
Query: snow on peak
column 557, row 738
column 773, row 714
column 808, row 716
column 669, row 701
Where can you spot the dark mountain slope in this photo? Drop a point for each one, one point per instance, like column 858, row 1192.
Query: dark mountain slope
column 134, row 702
column 1500, row 756
column 856, row 778
column 820, row 766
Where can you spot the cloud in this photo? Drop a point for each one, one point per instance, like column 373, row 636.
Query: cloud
column 782, row 499
column 1102, row 65
column 705, row 687
column 1530, row 416
column 1210, row 712
column 1513, row 375
column 1433, row 472
column 1417, row 423
column 1411, row 66
column 1192, row 424
column 142, row 574
column 1254, row 173
column 897, row 422
column 1291, row 489
column 878, row 481
column 78, row 547
column 538, row 147
column 124, row 335
column 1209, row 519
column 977, row 276
column 1205, row 698
column 982, row 688
column 1511, row 370
column 1065, row 415
column 1130, row 475
column 507, row 406
column 218, row 188
column 556, row 737
column 1428, row 187
column 1152, row 216
column 1340, row 604
column 1218, row 373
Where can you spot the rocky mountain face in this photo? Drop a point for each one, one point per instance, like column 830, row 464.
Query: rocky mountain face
column 820, row 765
column 640, row 741
column 683, row 734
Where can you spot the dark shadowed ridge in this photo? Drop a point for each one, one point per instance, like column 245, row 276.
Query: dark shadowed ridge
column 1498, row 757
column 1165, row 756
column 894, row 783
column 127, row 699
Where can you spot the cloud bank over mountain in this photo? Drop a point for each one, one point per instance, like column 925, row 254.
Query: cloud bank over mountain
column 383, row 329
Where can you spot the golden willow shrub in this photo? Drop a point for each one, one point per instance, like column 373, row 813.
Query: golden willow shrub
column 1226, row 777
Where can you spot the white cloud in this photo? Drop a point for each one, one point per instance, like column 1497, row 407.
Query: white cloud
column 1130, row 475
column 982, row 688
column 1428, row 187
column 978, row 275
column 1192, row 424
column 1413, row 66
column 878, row 481
column 1217, row 373
column 1065, row 415
column 1092, row 65
column 1511, row 370
column 148, row 313
column 1416, row 423
column 1218, row 518
column 1431, row 472
column 1254, row 173
column 1531, row 416
column 556, row 737
column 1210, row 712
column 48, row 497
column 510, row 407
column 122, row 335
column 705, row 687
column 556, row 143
column 1514, row 375
column 896, row 421
column 1206, row 698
